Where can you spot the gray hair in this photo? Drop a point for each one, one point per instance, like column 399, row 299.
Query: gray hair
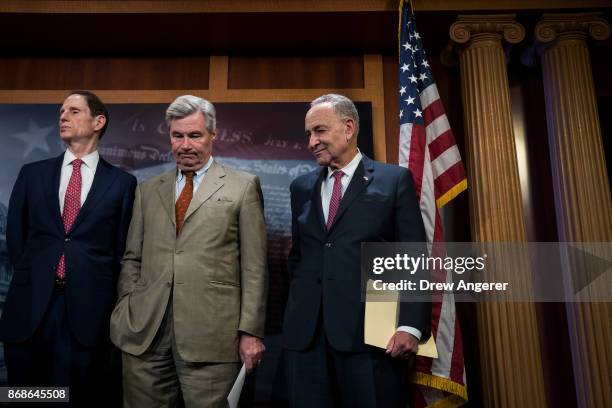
column 342, row 106
column 186, row 105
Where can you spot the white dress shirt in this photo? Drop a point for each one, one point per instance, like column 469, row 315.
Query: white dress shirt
column 327, row 187
column 197, row 179
column 88, row 171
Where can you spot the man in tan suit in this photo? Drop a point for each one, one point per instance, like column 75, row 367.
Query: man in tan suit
column 192, row 290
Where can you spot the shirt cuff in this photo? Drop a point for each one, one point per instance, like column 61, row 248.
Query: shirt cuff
column 408, row 329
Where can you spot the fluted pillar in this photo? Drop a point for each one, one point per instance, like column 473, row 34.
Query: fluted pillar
column 582, row 193
column 508, row 334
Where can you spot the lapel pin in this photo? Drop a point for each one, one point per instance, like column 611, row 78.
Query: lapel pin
column 365, row 178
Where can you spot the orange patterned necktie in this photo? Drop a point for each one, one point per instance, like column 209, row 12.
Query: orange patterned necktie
column 183, row 201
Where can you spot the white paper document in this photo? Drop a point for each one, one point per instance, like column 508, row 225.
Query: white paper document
column 381, row 322
column 234, row 396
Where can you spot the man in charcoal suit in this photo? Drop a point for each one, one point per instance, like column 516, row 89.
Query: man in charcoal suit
column 351, row 199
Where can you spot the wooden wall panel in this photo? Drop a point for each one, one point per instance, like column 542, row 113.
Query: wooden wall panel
column 103, row 73
column 160, row 80
column 257, row 6
column 296, row 72
column 391, row 87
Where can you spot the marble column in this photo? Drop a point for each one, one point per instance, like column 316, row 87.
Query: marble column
column 582, row 194
column 508, row 332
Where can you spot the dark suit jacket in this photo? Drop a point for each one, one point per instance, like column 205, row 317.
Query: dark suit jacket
column 379, row 205
column 93, row 249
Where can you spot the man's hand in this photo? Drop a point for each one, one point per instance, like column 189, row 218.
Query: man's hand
column 251, row 351
column 403, row 345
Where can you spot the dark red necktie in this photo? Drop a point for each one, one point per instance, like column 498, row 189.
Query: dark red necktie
column 72, row 206
column 334, row 202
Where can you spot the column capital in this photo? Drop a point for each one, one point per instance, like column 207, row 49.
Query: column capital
column 582, row 24
column 467, row 26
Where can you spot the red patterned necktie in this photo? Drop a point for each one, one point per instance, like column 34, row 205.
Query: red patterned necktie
column 183, row 201
column 72, row 206
column 334, row 203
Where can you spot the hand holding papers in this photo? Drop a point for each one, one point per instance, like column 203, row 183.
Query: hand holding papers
column 381, row 323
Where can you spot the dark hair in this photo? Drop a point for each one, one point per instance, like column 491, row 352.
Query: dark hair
column 95, row 106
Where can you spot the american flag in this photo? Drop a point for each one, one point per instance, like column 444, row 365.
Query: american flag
column 427, row 147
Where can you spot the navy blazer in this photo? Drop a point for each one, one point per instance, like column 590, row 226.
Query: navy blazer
column 379, row 205
column 93, row 250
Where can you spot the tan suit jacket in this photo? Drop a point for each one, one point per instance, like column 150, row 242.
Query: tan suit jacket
column 216, row 267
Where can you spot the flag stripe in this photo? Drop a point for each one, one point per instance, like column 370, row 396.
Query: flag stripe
column 429, row 95
column 443, row 142
column 442, row 365
column 435, row 111
column 457, row 368
column 417, row 156
column 428, row 212
column 442, row 181
column 437, row 127
column 404, row 148
column 445, row 161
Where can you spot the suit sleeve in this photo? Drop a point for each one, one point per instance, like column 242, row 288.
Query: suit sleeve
column 410, row 228
column 127, row 204
column 253, row 261
column 130, row 268
column 294, row 253
column 17, row 219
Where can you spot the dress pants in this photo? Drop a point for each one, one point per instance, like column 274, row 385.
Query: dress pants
column 161, row 378
column 53, row 357
column 326, row 378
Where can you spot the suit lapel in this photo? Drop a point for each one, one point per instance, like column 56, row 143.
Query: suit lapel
column 52, row 191
column 166, row 191
column 316, row 197
column 212, row 181
column 363, row 176
column 103, row 179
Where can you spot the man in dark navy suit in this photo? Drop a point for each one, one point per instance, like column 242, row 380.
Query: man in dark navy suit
column 350, row 200
column 67, row 224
